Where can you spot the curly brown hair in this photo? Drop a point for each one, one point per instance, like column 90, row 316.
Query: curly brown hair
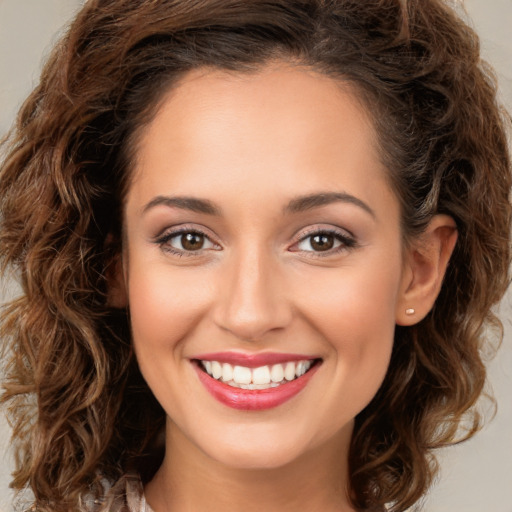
column 80, row 410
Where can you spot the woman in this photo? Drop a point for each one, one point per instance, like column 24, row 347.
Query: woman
column 259, row 243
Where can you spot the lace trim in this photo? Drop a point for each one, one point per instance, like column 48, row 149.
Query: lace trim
column 126, row 495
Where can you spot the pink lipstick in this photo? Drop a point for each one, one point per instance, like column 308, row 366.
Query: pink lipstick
column 254, row 381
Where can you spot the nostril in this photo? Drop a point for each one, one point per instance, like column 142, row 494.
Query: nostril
column 251, row 322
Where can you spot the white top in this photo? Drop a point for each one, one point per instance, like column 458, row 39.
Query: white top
column 126, row 495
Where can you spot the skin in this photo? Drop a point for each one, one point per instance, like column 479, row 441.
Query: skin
column 249, row 144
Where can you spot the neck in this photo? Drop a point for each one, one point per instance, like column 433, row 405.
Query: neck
column 190, row 480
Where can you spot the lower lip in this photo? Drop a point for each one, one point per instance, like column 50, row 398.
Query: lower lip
column 254, row 399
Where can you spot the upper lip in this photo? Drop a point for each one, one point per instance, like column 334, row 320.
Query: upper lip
column 253, row 360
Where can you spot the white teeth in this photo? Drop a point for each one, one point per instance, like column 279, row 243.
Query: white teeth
column 254, row 386
column 277, row 373
column 227, row 372
column 242, row 375
column 289, row 371
column 262, row 377
column 302, row 368
column 216, row 369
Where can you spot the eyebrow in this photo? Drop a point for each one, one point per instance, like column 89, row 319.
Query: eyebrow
column 192, row 204
column 296, row 205
column 310, row 201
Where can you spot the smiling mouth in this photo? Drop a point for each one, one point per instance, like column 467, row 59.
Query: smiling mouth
column 260, row 378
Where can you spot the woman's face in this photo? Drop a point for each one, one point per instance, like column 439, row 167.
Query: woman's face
column 262, row 241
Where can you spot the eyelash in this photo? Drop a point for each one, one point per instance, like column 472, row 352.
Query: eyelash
column 346, row 242
column 163, row 241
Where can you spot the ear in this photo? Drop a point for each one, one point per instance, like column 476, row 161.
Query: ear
column 425, row 265
column 117, row 294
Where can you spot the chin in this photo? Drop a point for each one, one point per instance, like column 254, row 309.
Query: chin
column 264, row 447
column 268, row 459
column 257, row 461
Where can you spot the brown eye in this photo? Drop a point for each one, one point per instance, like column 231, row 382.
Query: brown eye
column 186, row 242
column 192, row 241
column 319, row 242
column 322, row 242
column 326, row 242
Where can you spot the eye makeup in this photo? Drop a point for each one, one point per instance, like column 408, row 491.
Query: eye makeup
column 319, row 242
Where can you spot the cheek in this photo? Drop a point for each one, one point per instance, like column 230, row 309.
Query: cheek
column 361, row 299
column 354, row 312
column 164, row 304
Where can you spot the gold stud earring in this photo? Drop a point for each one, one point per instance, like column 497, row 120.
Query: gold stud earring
column 410, row 311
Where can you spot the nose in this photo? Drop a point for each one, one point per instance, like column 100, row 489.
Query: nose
column 251, row 298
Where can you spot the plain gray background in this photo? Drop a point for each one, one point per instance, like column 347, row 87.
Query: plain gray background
column 476, row 476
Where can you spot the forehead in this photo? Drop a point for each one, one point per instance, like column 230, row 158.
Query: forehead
column 284, row 124
column 278, row 91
